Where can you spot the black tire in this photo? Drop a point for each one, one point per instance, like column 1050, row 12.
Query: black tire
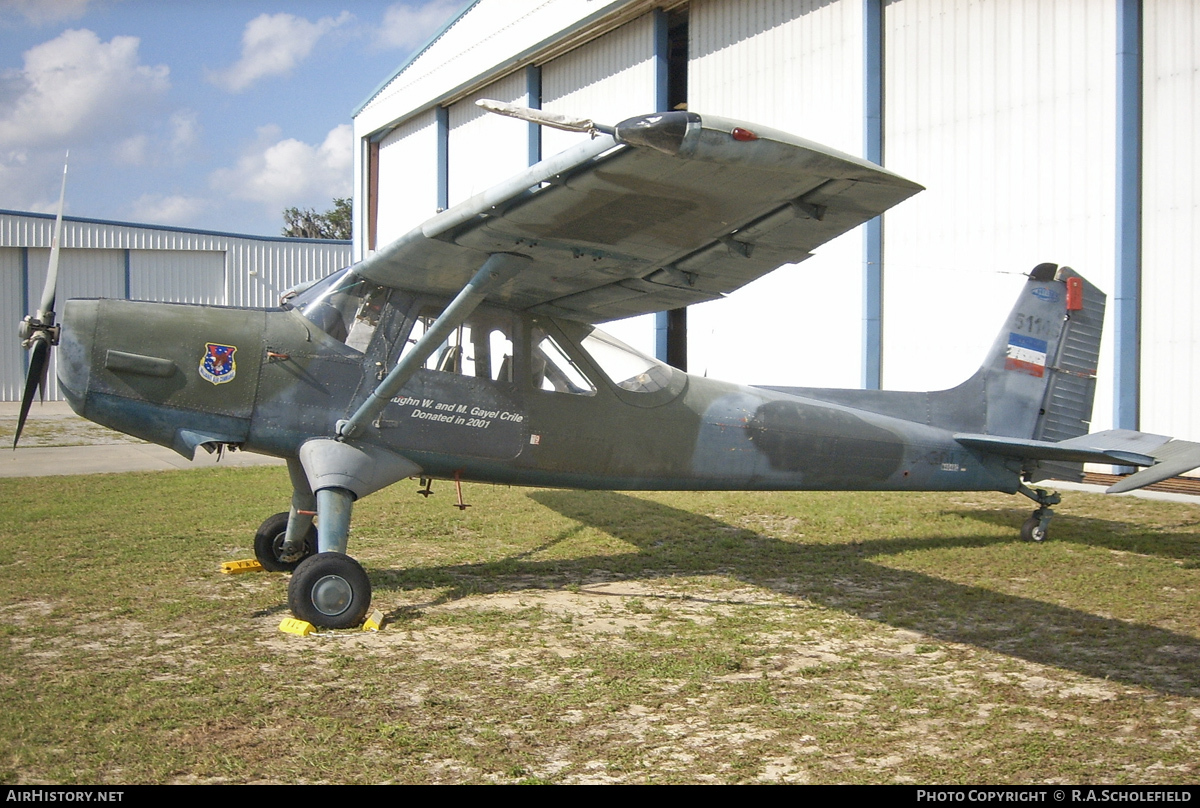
column 330, row 590
column 268, row 545
column 1032, row 530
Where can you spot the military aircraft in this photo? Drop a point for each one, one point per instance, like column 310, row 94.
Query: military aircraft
column 467, row 349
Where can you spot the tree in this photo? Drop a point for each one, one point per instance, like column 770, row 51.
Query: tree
column 307, row 223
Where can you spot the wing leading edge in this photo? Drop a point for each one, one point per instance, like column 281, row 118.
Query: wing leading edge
column 671, row 209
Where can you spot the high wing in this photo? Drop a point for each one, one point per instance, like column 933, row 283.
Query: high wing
column 668, row 210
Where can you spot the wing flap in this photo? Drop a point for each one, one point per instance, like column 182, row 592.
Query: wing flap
column 675, row 210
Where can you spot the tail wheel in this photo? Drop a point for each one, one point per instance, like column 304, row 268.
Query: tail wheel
column 330, row 590
column 268, row 545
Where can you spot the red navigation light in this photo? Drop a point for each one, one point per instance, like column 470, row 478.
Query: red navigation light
column 743, row 135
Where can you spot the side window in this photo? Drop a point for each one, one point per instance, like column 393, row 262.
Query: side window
column 627, row 368
column 481, row 347
column 553, row 369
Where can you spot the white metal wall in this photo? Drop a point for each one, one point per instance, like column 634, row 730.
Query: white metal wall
column 1170, row 336
column 484, row 148
column 480, row 42
column 1005, row 110
column 12, row 364
column 113, row 259
column 177, row 276
column 609, row 79
column 407, row 178
column 795, row 66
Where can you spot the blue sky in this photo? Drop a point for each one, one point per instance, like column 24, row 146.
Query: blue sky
column 205, row 114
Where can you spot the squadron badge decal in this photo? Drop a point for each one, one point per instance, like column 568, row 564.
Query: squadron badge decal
column 218, row 366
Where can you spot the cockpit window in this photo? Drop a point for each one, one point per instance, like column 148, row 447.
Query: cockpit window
column 627, row 368
column 344, row 306
column 554, row 370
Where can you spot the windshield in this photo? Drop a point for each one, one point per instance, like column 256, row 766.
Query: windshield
column 628, row 368
column 344, row 306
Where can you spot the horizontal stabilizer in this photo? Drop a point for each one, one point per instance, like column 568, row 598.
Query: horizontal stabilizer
column 1173, row 458
column 1076, row 450
column 1165, row 458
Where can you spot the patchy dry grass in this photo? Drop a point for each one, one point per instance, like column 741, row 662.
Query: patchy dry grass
column 576, row 637
column 53, row 424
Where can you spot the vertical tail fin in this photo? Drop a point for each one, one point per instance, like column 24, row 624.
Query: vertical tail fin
column 1039, row 379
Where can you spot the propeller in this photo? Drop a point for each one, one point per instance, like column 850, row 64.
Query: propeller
column 39, row 332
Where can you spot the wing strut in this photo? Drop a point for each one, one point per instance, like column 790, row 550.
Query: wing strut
column 498, row 268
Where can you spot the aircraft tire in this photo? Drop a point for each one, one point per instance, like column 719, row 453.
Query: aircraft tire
column 268, row 544
column 1032, row 530
column 330, row 590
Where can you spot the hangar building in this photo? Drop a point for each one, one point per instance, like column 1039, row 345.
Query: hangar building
column 143, row 262
column 1044, row 130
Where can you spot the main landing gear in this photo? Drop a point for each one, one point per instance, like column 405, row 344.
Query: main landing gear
column 328, row 588
column 271, row 548
column 1036, row 526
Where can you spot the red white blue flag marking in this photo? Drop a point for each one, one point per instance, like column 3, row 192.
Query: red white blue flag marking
column 1026, row 354
column 218, row 366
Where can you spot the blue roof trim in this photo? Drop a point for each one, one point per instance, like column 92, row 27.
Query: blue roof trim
column 168, row 228
column 416, row 55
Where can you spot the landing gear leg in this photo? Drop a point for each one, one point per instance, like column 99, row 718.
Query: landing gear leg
column 286, row 539
column 1037, row 525
column 330, row 589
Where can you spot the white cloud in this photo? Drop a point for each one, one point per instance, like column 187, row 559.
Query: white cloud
column 73, row 87
column 167, row 209
column 407, row 26
column 41, row 12
column 185, row 130
column 286, row 173
column 272, row 44
column 132, row 150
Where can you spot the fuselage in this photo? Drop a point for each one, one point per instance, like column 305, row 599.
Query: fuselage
column 527, row 400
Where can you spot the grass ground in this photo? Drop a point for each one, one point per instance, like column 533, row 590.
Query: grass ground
column 570, row 637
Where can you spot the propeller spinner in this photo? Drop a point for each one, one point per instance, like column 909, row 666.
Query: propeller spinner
column 38, row 332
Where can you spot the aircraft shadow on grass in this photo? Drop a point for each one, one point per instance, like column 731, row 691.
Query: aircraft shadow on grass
column 839, row 576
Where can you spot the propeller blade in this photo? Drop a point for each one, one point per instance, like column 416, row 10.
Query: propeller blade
column 38, row 332
column 46, row 311
column 35, row 379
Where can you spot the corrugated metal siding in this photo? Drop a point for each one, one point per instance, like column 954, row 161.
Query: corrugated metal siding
column 407, row 177
column 608, row 79
column 796, row 66
column 1170, row 357
column 257, row 273
column 170, row 265
column 177, row 276
column 12, row 363
column 1005, row 110
column 485, row 148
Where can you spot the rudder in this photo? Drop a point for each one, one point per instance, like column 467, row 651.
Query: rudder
column 1039, row 380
